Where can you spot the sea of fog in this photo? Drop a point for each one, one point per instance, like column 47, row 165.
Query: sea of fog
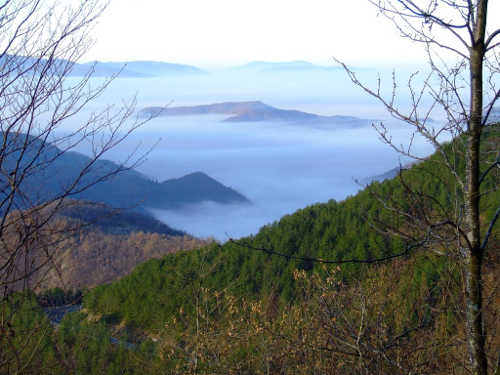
column 280, row 167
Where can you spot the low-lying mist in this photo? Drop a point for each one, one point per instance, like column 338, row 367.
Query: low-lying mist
column 280, row 167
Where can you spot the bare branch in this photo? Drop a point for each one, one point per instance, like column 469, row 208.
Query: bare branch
column 489, row 169
column 490, row 39
column 490, row 229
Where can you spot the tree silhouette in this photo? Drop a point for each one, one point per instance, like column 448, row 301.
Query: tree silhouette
column 40, row 41
column 462, row 84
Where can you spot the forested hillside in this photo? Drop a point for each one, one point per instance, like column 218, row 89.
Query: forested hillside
column 272, row 304
column 348, row 230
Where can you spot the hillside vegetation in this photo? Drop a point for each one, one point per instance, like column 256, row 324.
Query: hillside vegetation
column 241, row 308
column 332, row 231
column 87, row 244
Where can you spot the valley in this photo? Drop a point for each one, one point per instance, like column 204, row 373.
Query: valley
column 242, row 215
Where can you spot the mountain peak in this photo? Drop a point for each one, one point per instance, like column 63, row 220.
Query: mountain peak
column 127, row 189
column 252, row 111
column 204, row 187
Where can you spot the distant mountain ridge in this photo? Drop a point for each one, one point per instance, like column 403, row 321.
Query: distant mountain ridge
column 56, row 171
column 125, row 69
column 131, row 189
column 381, row 177
column 298, row 65
column 390, row 174
column 249, row 112
column 139, row 69
column 113, row 221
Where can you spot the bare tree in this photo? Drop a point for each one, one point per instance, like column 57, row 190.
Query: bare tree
column 462, row 84
column 40, row 41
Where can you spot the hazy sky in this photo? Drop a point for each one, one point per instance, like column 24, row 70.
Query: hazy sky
column 226, row 32
column 237, row 31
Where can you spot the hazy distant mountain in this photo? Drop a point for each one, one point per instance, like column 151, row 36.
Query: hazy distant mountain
column 252, row 111
column 97, row 68
column 380, row 177
column 135, row 69
column 265, row 66
column 389, row 174
column 131, row 189
column 128, row 189
column 192, row 188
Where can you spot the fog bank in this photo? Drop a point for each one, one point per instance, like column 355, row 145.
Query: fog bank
column 280, row 167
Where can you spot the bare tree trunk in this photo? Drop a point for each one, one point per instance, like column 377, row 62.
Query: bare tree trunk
column 474, row 334
column 474, row 253
column 473, row 45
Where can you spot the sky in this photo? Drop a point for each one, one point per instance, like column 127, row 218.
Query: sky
column 230, row 32
column 280, row 169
